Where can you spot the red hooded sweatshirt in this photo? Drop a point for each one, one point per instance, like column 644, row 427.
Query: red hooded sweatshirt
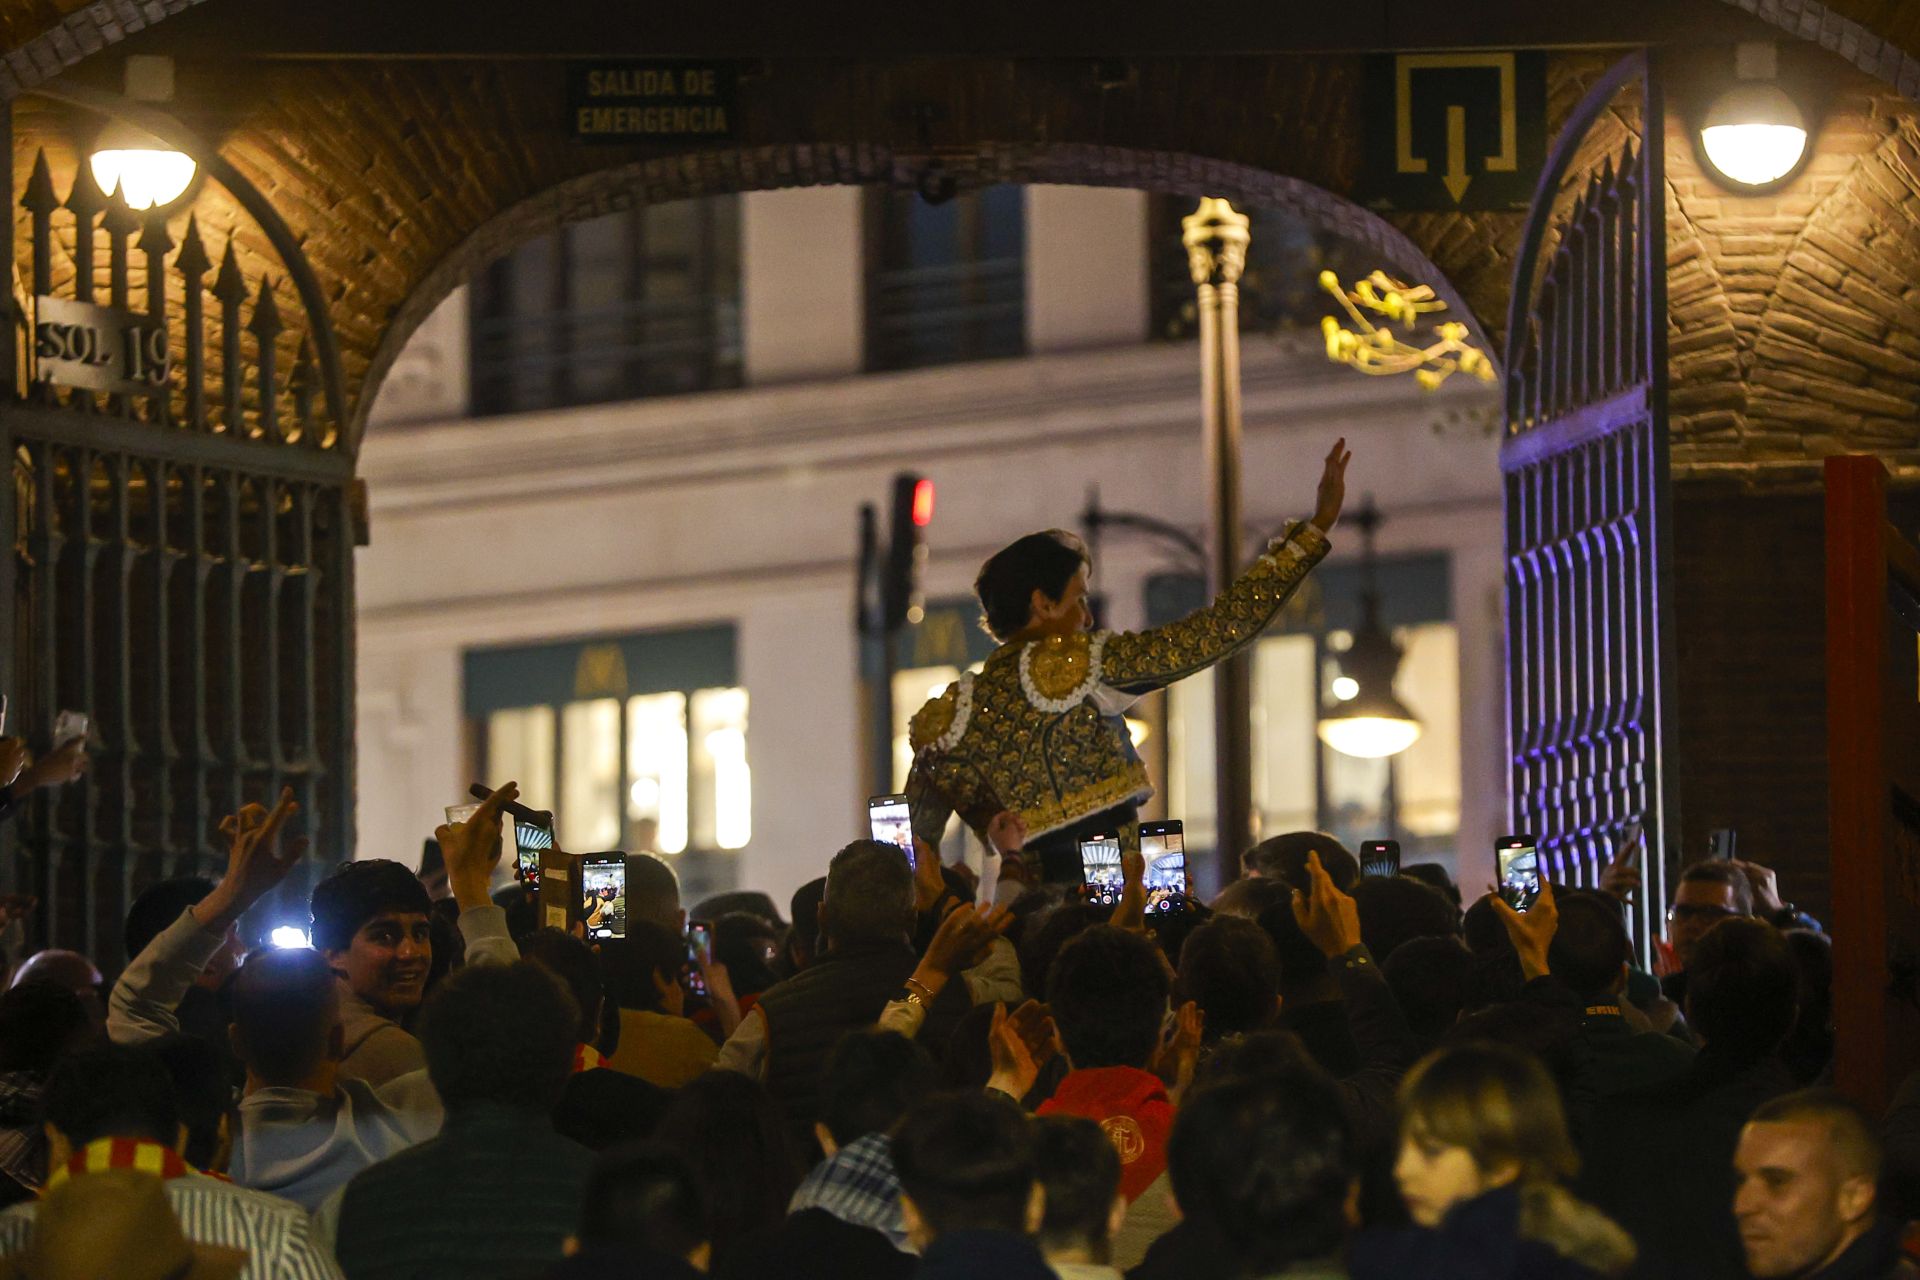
column 1131, row 1106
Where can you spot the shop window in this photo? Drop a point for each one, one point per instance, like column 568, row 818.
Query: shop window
column 635, row 742
column 1299, row 783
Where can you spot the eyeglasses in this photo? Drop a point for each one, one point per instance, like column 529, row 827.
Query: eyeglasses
column 1693, row 911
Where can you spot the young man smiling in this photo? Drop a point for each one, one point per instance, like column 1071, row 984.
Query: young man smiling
column 370, row 922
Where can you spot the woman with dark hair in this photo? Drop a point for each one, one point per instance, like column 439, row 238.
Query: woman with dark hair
column 735, row 1141
column 1483, row 1152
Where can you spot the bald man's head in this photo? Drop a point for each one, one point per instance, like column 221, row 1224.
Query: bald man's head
column 286, row 1016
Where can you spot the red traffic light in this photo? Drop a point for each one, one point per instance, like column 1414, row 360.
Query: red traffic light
column 923, row 502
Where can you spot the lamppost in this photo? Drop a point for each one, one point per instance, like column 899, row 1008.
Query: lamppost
column 1216, row 239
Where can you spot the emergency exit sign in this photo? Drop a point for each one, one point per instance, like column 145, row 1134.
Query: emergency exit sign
column 650, row 101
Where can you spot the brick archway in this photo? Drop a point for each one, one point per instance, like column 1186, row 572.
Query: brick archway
column 766, row 168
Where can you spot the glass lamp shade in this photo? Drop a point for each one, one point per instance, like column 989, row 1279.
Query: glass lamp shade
column 1754, row 135
column 1369, row 721
column 1369, row 737
column 146, row 170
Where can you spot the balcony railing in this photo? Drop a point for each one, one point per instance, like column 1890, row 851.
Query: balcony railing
column 639, row 347
column 949, row 313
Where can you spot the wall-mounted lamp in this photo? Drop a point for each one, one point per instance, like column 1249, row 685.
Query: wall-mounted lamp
column 147, row 171
column 1754, row 135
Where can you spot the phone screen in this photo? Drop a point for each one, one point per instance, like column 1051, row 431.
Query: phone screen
column 531, row 840
column 603, row 894
column 1519, row 859
column 1379, row 857
column 1721, row 843
column 890, row 822
column 1164, row 846
column 699, row 939
column 1100, row 870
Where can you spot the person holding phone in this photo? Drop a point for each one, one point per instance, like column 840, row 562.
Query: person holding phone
column 21, row 775
column 1059, row 689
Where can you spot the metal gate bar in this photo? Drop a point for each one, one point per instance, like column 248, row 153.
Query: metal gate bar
column 1585, row 463
column 184, row 576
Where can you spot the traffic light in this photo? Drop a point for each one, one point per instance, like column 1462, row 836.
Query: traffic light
column 906, row 550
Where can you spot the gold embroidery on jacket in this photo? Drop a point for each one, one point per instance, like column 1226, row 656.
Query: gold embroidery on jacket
column 1059, row 764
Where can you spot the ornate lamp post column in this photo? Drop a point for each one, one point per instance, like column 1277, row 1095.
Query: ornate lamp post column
column 1216, row 238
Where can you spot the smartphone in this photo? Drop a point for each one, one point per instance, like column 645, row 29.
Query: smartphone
column 699, row 939
column 1519, row 866
column 69, row 725
column 1632, row 845
column 1164, row 846
column 890, row 822
column 603, row 894
column 1721, row 843
column 481, row 791
column 531, row 841
column 1380, row 858
column 1100, row 870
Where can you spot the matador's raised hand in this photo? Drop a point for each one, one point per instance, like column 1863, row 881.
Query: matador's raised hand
column 1333, row 487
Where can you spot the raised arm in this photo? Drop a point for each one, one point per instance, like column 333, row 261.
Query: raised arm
column 471, row 849
column 143, row 1003
column 1135, row 662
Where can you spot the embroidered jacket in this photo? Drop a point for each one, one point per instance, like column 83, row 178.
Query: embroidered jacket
column 1040, row 729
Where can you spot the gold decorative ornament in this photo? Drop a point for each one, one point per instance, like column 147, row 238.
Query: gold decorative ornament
column 1375, row 349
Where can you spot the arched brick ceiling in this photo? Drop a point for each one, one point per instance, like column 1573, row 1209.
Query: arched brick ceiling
column 399, row 176
column 402, row 177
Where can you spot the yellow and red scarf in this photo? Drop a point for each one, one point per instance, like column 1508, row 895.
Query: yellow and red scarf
column 123, row 1153
column 587, row 1058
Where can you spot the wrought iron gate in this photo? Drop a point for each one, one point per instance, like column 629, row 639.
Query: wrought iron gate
column 1585, row 464
column 180, row 561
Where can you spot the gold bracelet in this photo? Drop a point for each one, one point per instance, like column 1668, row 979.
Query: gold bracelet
column 917, row 987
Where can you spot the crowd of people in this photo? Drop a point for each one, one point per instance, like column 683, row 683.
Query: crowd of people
column 914, row 1073
column 1319, row 1074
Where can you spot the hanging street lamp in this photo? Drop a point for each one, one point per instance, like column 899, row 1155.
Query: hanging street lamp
column 1366, row 719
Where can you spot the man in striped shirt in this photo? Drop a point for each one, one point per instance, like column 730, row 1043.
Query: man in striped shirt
column 113, row 1108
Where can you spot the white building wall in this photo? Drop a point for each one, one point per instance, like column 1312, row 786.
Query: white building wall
column 1086, row 267
column 429, row 379
column 802, row 283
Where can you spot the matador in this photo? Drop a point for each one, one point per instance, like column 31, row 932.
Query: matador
column 1040, row 730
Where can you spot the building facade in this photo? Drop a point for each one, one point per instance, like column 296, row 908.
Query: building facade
column 644, row 606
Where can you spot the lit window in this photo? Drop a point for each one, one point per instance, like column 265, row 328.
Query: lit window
column 656, row 767
column 723, row 782
column 590, row 775
column 657, row 770
column 1298, row 784
column 520, row 749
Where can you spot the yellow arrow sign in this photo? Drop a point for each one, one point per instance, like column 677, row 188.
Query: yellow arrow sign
column 1456, row 179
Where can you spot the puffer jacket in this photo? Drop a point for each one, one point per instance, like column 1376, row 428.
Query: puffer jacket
column 1531, row 1231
